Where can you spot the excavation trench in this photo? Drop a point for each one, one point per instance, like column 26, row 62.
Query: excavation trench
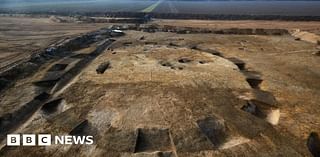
column 52, row 106
column 10, row 121
column 54, row 78
column 153, row 139
column 58, row 67
column 65, row 79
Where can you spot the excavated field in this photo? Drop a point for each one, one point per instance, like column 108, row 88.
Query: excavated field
column 169, row 94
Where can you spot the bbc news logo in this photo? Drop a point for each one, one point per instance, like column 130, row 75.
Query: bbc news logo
column 46, row 140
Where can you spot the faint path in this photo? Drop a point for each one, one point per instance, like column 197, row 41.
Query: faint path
column 152, row 7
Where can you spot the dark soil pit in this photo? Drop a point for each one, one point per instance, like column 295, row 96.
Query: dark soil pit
column 165, row 63
column 313, row 144
column 254, row 110
column 269, row 113
column 79, row 56
column 14, row 119
column 52, row 106
column 173, row 44
column 153, row 139
column 215, row 130
column 253, row 79
column 249, row 107
column 150, row 43
column 194, row 47
column 263, row 97
column 42, row 96
column 4, row 83
column 58, row 67
column 254, row 82
column 316, row 53
column 103, row 67
column 216, row 53
column 79, row 129
column 45, row 83
column 203, row 62
column 240, row 64
column 50, row 79
column 184, row 60
column 127, row 43
column 116, row 140
column 67, row 121
column 177, row 68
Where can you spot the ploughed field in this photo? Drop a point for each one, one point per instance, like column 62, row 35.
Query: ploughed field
column 156, row 91
column 287, row 8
